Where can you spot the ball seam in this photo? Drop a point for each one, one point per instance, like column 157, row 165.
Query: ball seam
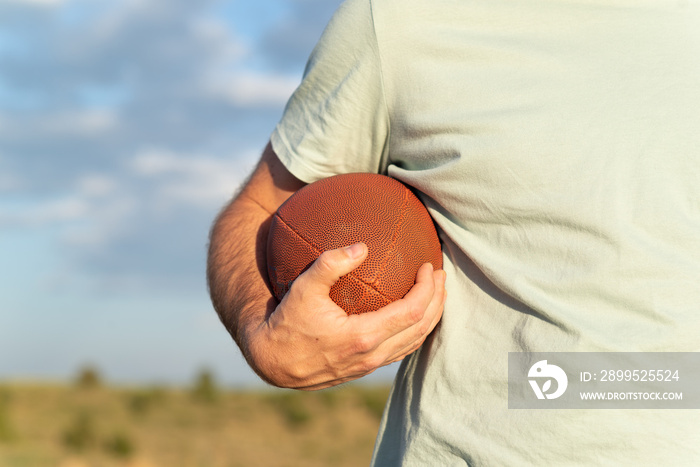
column 353, row 276
column 395, row 234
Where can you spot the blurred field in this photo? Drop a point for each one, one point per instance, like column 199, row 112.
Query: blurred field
column 90, row 424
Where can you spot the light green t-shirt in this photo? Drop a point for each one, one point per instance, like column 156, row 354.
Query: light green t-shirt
column 556, row 143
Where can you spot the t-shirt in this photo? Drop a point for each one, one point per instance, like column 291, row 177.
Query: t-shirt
column 556, row 144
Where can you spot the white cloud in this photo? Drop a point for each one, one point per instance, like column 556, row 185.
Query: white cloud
column 97, row 185
column 93, row 213
column 249, row 89
column 157, row 185
column 217, row 34
column 60, row 124
column 40, row 214
column 195, row 180
column 104, row 220
column 9, row 181
column 79, row 122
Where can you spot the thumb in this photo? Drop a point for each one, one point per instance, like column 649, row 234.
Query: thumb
column 330, row 266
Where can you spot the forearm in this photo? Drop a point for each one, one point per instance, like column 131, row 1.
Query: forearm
column 236, row 263
column 236, row 268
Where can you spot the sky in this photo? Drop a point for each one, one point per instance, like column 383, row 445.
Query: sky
column 125, row 125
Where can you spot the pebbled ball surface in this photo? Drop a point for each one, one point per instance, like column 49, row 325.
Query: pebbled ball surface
column 345, row 209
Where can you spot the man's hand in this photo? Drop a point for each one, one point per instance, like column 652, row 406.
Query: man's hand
column 310, row 343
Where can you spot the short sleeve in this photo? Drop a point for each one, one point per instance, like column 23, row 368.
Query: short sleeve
column 336, row 121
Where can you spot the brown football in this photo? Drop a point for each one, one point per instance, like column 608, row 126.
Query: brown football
column 345, row 209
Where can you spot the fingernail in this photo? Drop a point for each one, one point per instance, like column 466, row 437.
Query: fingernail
column 356, row 250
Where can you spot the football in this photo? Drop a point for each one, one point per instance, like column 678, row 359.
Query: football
column 345, row 209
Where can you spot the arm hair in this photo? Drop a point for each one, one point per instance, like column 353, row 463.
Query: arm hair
column 236, row 260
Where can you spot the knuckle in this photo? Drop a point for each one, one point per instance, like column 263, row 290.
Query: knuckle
column 324, row 264
column 424, row 329
column 416, row 312
column 296, row 377
column 298, row 292
column 370, row 364
column 399, row 321
column 416, row 347
column 359, row 346
column 362, row 344
column 430, row 286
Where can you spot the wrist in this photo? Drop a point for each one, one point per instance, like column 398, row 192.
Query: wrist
column 260, row 353
column 257, row 343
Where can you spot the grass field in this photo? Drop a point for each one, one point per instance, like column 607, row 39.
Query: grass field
column 90, row 424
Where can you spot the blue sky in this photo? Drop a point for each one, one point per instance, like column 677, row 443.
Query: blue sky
column 124, row 127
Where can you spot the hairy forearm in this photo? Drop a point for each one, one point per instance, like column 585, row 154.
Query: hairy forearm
column 236, row 268
column 236, row 263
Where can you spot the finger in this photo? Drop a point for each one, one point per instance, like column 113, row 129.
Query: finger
column 330, row 266
column 443, row 299
column 404, row 313
column 437, row 305
column 416, row 337
column 396, row 347
column 416, row 334
column 381, row 328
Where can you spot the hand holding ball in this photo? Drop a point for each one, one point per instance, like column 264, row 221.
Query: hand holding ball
column 346, row 209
